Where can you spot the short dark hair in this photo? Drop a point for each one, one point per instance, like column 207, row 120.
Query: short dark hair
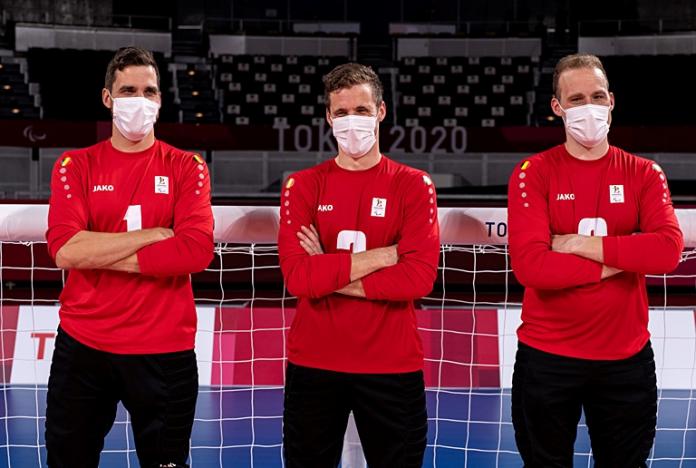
column 576, row 61
column 349, row 75
column 128, row 57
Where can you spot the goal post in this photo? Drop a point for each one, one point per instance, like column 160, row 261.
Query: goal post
column 467, row 325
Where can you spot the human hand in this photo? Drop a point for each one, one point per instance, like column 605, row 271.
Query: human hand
column 309, row 240
column 159, row 233
column 389, row 255
column 566, row 243
column 608, row 271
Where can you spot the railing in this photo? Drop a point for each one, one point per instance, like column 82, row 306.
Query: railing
column 627, row 27
column 266, row 26
column 57, row 17
column 494, row 28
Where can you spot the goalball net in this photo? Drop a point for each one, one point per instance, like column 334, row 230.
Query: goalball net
column 467, row 325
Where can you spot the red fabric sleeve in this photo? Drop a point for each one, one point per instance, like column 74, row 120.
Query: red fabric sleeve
column 67, row 212
column 190, row 250
column 657, row 248
column 529, row 236
column 419, row 248
column 306, row 276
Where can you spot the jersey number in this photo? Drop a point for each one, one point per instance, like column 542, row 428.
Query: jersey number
column 355, row 241
column 593, row 227
column 134, row 218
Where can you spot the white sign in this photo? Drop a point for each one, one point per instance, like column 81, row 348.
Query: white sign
column 672, row 334
column 36, row 335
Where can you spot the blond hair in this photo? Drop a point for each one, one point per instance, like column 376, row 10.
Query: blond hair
column 576, row 61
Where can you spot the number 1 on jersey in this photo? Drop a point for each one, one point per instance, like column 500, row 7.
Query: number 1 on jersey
column 134, row 218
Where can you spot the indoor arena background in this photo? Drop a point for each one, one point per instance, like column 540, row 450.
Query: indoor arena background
column 467, row 88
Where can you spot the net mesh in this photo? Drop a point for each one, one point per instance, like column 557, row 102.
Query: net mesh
column 467, row 325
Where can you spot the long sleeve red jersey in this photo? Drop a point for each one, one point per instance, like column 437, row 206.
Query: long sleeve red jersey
column 356, row 211
column 102, row 189
column 567, row 308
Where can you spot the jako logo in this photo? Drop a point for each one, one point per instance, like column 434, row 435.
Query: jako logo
column 565, row 196
column 103, row 188
column 325, row 208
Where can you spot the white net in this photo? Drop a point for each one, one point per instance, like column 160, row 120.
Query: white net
column 467, row 325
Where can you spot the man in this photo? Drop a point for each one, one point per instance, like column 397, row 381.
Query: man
column 587, row 222
column 358, row 242
column 130, row 218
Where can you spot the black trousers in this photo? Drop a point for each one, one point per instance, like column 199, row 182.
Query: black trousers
column 389, row 411
column 85, row 385
column 619, row 399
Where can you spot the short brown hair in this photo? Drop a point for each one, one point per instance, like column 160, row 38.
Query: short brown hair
column 128, row 57
column 349, row 75
column 575, row 61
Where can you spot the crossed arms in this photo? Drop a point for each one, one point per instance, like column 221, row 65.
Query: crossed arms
column 108, row 251
column 401, row 272
column 158, row 251
column 545, row 261
column 362, row 264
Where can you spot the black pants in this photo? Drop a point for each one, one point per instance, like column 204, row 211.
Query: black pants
column 389, row 411
column 619, row 399
column 85, row 385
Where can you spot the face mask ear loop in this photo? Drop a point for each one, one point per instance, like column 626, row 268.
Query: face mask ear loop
column 561, row 107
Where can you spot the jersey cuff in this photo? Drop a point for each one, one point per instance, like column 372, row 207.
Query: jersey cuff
column 610, row 251
column 143, row 263
column 57, row 240
column 370, row 288
column 345, row 265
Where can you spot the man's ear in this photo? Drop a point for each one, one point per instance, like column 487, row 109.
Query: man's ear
column 556, row 107
column 106, row 99
column 382, row 111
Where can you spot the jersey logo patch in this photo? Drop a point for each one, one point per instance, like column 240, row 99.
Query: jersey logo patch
column 565, row 196
column 325, row 208
column 103, row 188
column 616, row 194
column 162, row 184
column 379, row 207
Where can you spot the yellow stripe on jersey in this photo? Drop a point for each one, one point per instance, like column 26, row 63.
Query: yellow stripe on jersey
column 290, row 183
column 525, row 165
column 198, row 159
column 66, row 160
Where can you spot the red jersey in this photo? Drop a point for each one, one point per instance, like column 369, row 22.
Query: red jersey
column 567, row 308
column 102, row 189
column 355, row 211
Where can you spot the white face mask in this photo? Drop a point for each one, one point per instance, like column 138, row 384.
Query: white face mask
column 355, row 134
column 588, row 124
column 134, row 117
